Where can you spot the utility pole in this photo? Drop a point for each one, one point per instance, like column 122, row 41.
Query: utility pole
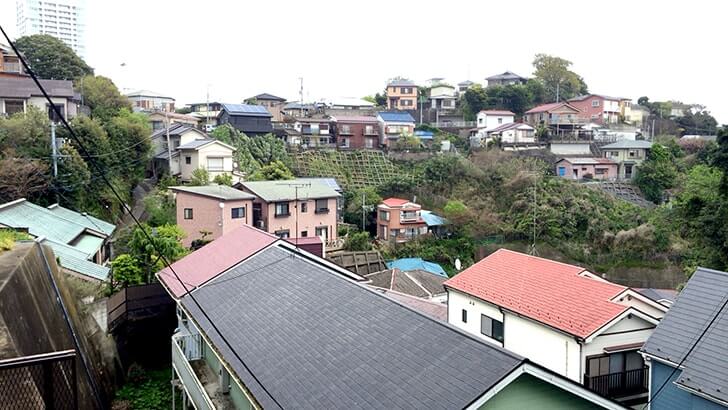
column 301, row 94
column 295, row 207
column 169, row 147
column 557, row 90
column 207, row 110
column 54, row 147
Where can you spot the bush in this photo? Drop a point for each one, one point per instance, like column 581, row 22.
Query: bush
column 200, row 177
column 358, row 241
column 223, row 179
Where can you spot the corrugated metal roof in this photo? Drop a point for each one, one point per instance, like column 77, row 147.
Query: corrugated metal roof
column 74, row 260
column 706, row 369
column 389, row 116
column 401, row 82
column 84, row 219
column 273, row 191
column 246, row 110
column 147, row 93
column 432, row 219
column 331, row 182
column 215, row 191
column 317, row 340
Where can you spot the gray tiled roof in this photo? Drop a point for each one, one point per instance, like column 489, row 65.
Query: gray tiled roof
column 628, row 144
column 214, row 191
column 24, row 87
column 417, row 283
column 272, row 191
column 706, row 369
column 317, row 340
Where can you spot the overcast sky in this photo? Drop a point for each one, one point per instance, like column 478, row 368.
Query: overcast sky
column 665, row 50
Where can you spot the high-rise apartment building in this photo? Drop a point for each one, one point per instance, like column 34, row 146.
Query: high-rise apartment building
column 62, row 19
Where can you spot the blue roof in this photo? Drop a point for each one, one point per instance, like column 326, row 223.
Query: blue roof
column 424, row 135
column 407, row 264
column 246, row 109
column 389, row 116
column 431, row 219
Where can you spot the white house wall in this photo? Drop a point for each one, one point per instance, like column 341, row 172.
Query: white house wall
column 489, row 121
column 626, row 331
column 539, row 343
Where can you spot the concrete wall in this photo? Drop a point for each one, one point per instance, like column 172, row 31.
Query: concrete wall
column 32, row 320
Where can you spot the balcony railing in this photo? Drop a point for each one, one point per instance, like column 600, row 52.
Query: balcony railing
column 620, row 384
column 371, row 131
column 345, row 131
column 183, row 350
column 11, row 67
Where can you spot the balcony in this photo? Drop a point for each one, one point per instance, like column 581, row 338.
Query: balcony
column 620, row 384
column 345, row 131
column 322, row 210
column 371, row 131
column 187, row 348
column 11, row 67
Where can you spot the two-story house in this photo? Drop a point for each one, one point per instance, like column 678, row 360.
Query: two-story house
column 599, row 109
column 392, row 125
column 18, row 92
column 399, row 220
column 251, row 120
column 159, row 120
column 264, row 324
column 272, row 103
column 507, row 78
column 10, row 62
column 294, row 208
column 401, row 95
column 554, row 115
column 490, row 119
column 356, row 132
column 513, row 133
column 443, row 97
column 464, row 86
column 150, row 101
column 208, row 212
column 698, row 380
column 315, row 132
column 206, row 113
column 558, row 315
column 628, row 155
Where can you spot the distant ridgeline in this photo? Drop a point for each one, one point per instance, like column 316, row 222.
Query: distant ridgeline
column 352, row 169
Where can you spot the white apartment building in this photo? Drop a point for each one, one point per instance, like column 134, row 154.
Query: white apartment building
column 62, row 19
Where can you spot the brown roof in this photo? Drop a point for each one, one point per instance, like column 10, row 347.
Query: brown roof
column 24, row 87
column 417, row 283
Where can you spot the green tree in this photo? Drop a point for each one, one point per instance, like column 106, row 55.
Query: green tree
column 128, row 135
column 554, row 72
column 160, row 208
column 27, row 134
column 102, row 96
column 274, row 171
column 126, row 271
column 354, row 206
column 200, row 177
column 657, row 173
column 223, row 179
column 51, row 58
column 407, row 141
column 74, row 178
column 698, row 123
column 164, row 244
column 474, row 99
column 94, row 138
column 358, row 241
column 22, row 178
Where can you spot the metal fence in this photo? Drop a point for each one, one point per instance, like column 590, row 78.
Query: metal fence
column 136, row 302
column 44, row 381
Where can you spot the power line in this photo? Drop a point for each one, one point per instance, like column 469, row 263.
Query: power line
column 126, row 209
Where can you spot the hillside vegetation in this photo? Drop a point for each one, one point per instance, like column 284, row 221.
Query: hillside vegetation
column 353, row 169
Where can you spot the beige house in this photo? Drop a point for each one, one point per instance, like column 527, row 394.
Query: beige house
column 628, row 155
column 211, row 209
column 401, row 95
column 161, row 119
column 214, row 156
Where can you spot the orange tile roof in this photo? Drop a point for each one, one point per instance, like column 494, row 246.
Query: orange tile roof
column 395, row 201
column 547, row 291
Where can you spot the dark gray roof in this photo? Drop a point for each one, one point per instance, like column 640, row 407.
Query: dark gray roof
column 508, row 75
column 401, row 82
column 419, row 283
column 24, row 87
column 269, row 97
column 706, row 369
column 246, row 110
column 176, row 129
column 658, row 294
column 316, row 340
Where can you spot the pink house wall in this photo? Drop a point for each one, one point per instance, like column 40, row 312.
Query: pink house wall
column 394, row 221
column 611, row 170
column 208, row 216
column 307, row 221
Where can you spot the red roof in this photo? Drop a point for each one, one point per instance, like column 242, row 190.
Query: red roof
column 547, row 291
column 395, row 201
column 497, row 112
column 214, row 258
column 549, row 107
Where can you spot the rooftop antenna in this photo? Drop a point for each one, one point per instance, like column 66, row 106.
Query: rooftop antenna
column 207, row 109
column 301, row 94
column 297, row 185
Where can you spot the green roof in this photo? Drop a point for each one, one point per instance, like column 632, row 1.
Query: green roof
column 74, row 260
column 83, row 219
column 88, row 244
column 223, row 192
column 274, row 191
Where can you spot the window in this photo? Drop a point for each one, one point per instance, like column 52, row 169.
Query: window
column 215, row 164
column 465, row 316
column 633, row 153
column 237, row 213
column 13, row 106
column 600, row 171
column 369, row 130
column 500, row 120
column 304, row 234
column 323, row 232
column 304, row 207
column 188, row 160
column 52, row 113
column 480, row 120
column 283, row 234
column 322, row 206
column 384, row 215
column 188, row 213
column 282, row 209
column 595, row 103
column 491, row 328
column 369, row 142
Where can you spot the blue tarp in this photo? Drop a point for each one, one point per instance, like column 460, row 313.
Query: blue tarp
column 424, row 135
column 407, row 264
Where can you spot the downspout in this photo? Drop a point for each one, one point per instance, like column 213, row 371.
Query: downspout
column 84, row 360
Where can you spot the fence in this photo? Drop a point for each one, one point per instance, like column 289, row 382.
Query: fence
column 39, row 381
column 136, row 302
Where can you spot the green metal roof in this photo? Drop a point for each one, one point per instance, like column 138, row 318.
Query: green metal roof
column 74, row 260
column 88, row 244
column 215, row 191
column 83, row 219
column 273, row 191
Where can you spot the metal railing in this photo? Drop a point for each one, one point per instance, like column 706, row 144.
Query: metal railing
column 39, row 381
column 182, row 367
column 455, row 124
column 620, row 384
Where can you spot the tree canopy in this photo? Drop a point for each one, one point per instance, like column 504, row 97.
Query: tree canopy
column 101, row 96
column 554, row 72
column 50, row 58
